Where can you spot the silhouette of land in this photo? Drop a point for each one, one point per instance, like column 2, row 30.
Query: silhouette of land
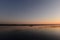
column 31, row 25
column 28, row 24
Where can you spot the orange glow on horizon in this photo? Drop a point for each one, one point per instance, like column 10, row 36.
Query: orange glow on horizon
column 36, row 22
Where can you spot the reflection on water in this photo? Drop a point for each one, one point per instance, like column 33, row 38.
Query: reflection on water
column 29, row 31
column 47, row 29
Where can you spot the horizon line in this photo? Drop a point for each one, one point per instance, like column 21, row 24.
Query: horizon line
column 27, row 24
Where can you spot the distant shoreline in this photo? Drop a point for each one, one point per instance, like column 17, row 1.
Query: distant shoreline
column 27, row 24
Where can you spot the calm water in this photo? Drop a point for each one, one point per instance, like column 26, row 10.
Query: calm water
column 30, row 33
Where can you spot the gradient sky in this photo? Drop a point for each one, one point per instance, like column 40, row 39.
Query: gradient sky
column 30, row 11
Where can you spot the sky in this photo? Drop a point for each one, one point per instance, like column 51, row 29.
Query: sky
column 30, row 11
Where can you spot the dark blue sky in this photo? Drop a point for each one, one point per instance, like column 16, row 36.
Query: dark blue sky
column 29, row 11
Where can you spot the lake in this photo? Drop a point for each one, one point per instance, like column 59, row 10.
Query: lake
column 29, row 33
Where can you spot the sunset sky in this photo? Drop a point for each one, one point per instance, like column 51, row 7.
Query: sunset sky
column 30, row 11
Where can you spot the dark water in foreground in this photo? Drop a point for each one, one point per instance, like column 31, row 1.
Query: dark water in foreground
column 29, row 33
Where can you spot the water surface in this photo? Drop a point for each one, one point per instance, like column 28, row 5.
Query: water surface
column 32, row 33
